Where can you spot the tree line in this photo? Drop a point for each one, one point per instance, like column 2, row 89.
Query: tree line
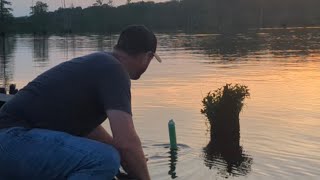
column 172, row 16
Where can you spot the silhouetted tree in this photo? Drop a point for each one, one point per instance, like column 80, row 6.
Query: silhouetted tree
column 39, row 9
column 39, row 16
column 5, row 15
column 223, row 16
column 110, row 2
column 98, row 3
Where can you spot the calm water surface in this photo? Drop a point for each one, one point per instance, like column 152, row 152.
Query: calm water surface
column 280, row 123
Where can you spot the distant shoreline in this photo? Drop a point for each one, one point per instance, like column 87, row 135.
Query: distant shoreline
column 185, row 16
column 166, row 32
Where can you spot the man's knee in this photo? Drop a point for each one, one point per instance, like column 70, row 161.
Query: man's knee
column 103, row 162
column 109, row 158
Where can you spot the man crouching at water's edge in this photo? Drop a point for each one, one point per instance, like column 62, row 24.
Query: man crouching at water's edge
column 51, row 129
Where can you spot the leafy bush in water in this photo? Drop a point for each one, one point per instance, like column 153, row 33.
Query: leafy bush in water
column 222, row 108
column 224, row 102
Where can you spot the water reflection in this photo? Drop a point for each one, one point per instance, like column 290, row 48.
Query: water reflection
column 183, row 72
column 41, row 50
column 173, row 155
column 229, row 160
column 100, row 42
column 281, row 43
column 231, row 47
column 7, row 49
column 106, row 42
column 224, row 152
column 296, row 43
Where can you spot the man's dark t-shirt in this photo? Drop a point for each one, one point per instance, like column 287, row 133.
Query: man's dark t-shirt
column 72, row 97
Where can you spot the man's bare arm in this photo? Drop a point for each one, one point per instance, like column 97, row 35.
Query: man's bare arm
column 128, row 143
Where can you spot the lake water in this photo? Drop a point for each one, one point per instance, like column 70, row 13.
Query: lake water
column 280, row 122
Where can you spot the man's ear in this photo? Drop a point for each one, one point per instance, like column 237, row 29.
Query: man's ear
column 148, row 57
column 150, row 54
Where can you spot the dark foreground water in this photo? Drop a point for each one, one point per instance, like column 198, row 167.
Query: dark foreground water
column 280, row 123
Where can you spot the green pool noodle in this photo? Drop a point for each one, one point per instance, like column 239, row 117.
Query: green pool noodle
column 172, row 134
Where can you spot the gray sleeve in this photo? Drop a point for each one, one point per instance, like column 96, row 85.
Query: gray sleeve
column 114, row 89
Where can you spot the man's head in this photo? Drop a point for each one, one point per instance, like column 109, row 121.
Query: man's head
column 138, row 44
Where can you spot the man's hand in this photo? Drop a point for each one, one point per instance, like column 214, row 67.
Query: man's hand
column 101, row 135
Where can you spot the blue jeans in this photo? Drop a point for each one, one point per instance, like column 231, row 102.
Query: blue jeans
column 41, row 154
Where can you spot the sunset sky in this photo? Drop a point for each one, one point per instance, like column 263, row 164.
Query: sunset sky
column 22, row 7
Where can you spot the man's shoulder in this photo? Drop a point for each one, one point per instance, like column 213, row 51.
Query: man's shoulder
column 104, row 64
column 99, row 58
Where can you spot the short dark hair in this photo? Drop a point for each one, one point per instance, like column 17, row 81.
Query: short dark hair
column 136, row 39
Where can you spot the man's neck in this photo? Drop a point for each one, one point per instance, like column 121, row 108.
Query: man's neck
column 123, row 58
